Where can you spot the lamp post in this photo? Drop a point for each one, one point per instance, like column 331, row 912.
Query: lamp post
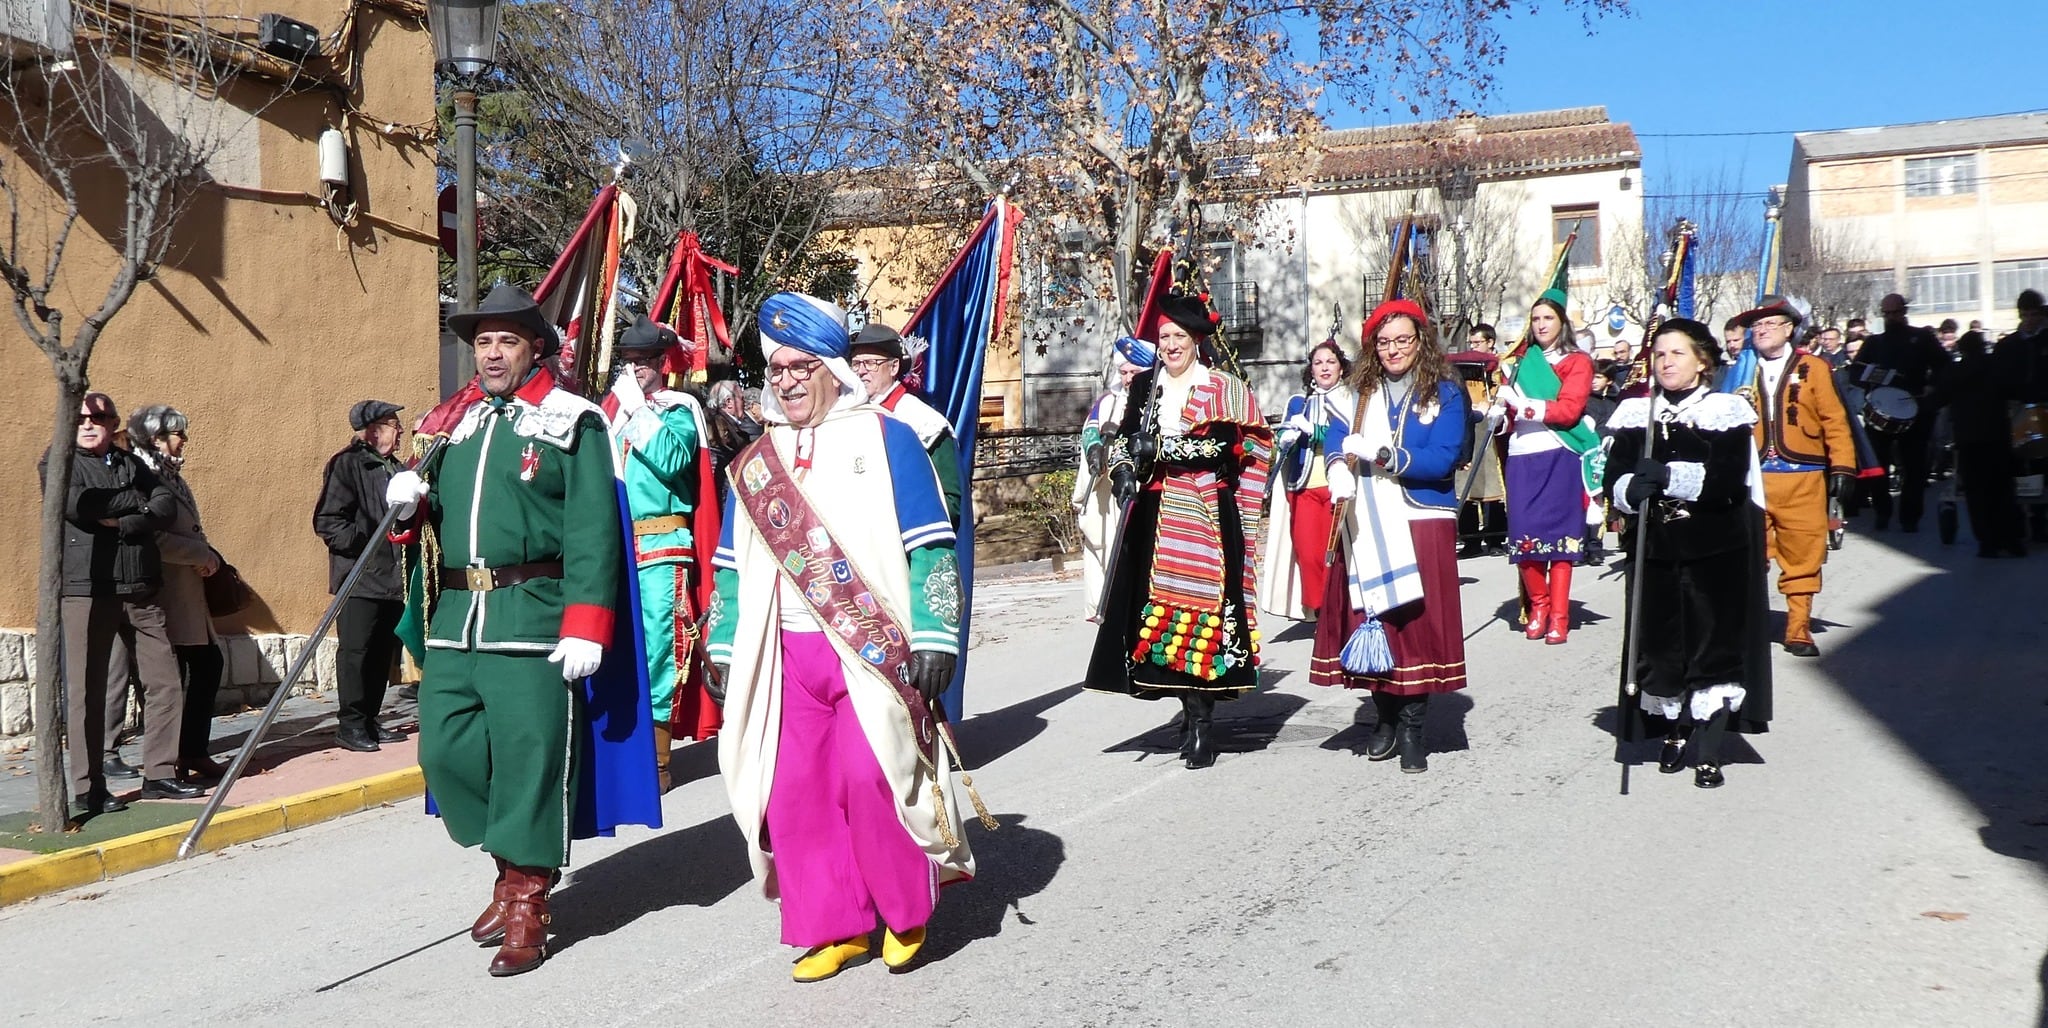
column 465, row 44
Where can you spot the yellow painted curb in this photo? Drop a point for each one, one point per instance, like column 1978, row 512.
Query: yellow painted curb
column 54, row 872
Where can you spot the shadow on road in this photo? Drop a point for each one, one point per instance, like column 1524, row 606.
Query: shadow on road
column 988, row 737
column 1443, row 731
column 1244, row 725
column 1015, row 862
column 694, row 867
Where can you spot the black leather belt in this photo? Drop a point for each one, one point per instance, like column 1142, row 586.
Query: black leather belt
column 484, row 580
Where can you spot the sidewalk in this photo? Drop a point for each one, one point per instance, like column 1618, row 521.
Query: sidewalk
column 296, row 778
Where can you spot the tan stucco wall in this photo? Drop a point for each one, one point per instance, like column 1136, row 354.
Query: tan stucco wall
column 264, row 327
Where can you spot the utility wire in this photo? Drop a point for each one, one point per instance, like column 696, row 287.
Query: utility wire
column 1795, row 132
column 1741, row 194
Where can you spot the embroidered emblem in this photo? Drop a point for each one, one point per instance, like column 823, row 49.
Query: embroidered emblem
column 895, row 637
column 846, row 626
column 866, row 603
column 778, row 513
column 755, row 475
column 860, row 465
column 715, row 615
column 529, row 463
column 794, row 564
column 779, row 320
column 942, row 590
column 820, row 539
column 903, row 673
column 842, row 572
column 873, row 654
column 818, row 594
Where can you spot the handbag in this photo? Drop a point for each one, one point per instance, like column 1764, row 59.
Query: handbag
column 226, row 592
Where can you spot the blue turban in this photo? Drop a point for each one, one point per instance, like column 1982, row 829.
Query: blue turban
column 1139, row 352
column 804, row 322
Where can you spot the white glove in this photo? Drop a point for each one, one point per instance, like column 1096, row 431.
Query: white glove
column 1342, row 482
column 1355, row 445
column 627, row 388
column 1299, row 423
column 404, row 492
column 1496, row 411
column 1533, row 410
column 579, row 658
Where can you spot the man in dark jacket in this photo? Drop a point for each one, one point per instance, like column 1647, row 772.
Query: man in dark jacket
column 111, row 618
column 351, row 506
column 1903, row 356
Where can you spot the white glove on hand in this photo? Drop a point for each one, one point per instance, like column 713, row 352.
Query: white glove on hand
column 1299, row 423
column 1496, row 411
column 1343, row 484
column 1533, row 410
column 404, row 492
column 627, row 388
column 579, row 658
column 1355, row 445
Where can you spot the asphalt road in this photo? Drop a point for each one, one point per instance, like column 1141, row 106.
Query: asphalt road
column 1293, row 883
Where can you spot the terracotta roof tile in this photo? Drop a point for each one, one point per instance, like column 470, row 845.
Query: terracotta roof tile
column 1492, row 147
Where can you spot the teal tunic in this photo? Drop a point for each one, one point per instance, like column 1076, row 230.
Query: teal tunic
column 659, row 458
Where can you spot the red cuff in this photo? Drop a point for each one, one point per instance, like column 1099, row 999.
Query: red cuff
column 588, row 621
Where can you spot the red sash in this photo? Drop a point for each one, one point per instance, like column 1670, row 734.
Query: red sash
column 831, row 586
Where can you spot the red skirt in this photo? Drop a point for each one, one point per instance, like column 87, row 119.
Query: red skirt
column 1427, row 637
column 1310, row 509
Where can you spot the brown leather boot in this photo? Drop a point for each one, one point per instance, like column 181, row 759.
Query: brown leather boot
column 664, row 742
column 1799, row 627
column 526, row 921
column 489, row 928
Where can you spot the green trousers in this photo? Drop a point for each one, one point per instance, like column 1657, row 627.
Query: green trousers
column 497, row 745
column 658, row 584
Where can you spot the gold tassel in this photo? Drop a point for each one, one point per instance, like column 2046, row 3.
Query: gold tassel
column 988, row 820
column 945, row 823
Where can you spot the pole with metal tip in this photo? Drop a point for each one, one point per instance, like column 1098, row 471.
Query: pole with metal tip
column 1633, row 649
column 291, row 675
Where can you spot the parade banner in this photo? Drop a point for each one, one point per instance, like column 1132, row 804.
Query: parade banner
column 957, row 321
column 687, row 303
column 580, row 294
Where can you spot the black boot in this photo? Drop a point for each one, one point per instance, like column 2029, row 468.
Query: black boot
column 1706, row 769
column 1380, row 745
column 1186, row 723
column 1672, row 760
column 1408, row 735
column 1201, row 751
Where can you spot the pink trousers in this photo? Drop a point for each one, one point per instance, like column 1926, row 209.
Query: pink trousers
column 841, row 852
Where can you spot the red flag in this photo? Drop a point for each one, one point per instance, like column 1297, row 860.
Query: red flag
column 686, row 302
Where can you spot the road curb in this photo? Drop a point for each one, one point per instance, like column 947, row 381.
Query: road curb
column 54, row 872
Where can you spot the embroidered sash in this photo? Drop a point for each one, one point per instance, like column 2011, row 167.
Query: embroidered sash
column 1533, row 376
column 832, row 588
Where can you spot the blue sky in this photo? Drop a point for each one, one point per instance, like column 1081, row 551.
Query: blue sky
column 1705, row 66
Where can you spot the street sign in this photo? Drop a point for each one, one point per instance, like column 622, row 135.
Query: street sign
column 445, row 206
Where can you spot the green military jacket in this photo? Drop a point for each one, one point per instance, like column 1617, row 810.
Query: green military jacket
column 659, row 458
column 527, row 480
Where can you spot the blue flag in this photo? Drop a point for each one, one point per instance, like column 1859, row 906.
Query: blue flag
column 957, row 321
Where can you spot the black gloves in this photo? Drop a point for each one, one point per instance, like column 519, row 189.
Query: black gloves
column 1098, row 457
column 714, row 683
column 1144, row 449
column 1840, row 484
column 931, row 672
column 1650, row 479
column 1123, row 485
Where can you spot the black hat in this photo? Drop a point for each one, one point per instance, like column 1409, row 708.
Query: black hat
column 646, row 334
column 1772, row 307
column 368, row 412
column 2029, row 300
column 1189, row 313
column 508, row 302
column 876, row 336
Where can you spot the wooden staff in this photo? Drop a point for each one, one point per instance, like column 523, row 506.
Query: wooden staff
column 1397, row 267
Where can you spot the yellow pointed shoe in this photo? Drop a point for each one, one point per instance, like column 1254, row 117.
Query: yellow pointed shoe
column 899, row 950
column 823, row 962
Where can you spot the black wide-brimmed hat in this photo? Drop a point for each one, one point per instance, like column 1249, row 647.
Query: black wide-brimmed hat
column 881, row 338
column 646, row 334
column 1189, row 313
column 1773, row 306
column 508, row 302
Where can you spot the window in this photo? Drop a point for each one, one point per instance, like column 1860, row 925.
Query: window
column 2009, row 278
column 1941, row 176
column 1586, row 248
column 1942, row 288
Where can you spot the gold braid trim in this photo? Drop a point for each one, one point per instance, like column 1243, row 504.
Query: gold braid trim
column 945, row 823
column 988, row 820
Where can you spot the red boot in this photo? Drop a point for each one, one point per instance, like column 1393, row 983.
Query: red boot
column 1537, row 592
column 489, row 929
column 526, row 921
column 1560, row 603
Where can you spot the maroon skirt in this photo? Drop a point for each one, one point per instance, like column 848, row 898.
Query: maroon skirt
column 1427, row 637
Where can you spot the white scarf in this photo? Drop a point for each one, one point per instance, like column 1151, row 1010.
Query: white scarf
column 1378, row 547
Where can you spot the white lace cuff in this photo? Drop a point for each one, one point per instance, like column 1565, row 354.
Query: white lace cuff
column 1708, row 701
column 1620, row 497
column 1686, row 480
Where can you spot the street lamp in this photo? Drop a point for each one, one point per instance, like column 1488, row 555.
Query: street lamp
column 465, row 46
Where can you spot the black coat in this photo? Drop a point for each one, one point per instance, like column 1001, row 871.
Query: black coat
column 1913, row 352
column 120, row 559
column 2022, row 366
column 351, row 505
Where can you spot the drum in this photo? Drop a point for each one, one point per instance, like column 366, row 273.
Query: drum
column 1889, row 409
column 2030, row 430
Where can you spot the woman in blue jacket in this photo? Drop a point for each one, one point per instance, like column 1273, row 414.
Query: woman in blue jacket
column 1391, row 619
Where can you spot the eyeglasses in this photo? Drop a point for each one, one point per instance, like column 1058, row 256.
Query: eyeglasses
column 800, row 371
column 1770, row 323
column 871, row 363
column 97, row 419
column 1396, row 342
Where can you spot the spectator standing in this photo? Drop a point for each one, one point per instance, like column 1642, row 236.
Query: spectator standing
column 1731, row 341
column 351, row 507
column 111, row 616
column 1832, row 348
column 158, row 435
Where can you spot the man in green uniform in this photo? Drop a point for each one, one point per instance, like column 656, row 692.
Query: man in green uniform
column 660, row 434
column 522, row 532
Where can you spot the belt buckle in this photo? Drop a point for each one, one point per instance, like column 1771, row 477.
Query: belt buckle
column 480, row 580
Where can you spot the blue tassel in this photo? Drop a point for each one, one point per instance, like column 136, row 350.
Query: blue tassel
column 1366, row 652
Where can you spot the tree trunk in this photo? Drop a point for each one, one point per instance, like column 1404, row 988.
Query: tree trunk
column 52, row 784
